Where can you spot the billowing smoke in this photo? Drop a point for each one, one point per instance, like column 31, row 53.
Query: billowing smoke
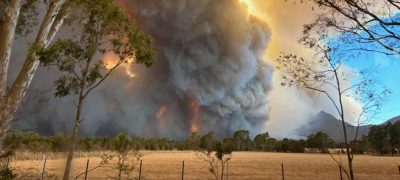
column 210, row 76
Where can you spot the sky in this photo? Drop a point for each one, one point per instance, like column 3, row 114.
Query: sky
column 286, row 31
column 388, row 73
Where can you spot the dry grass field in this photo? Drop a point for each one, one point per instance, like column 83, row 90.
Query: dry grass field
column 244, row 165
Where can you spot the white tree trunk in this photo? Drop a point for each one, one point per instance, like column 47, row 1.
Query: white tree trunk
column 12, row 100
column 7, row 31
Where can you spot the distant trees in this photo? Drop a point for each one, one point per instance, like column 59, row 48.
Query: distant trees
column 382, row 139
column 360, row 146
column 260, row 141
column 394, row 136
column 385, row 138
column 193, row 142
column 379, row 138
column 241, row 140
column 208, row 141
column 320, row 141
column 59, row 143
column 155, row 144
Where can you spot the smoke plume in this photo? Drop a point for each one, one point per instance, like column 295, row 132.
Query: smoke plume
column 210, row 76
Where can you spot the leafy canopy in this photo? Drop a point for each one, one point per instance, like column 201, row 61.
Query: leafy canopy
column 98, row 27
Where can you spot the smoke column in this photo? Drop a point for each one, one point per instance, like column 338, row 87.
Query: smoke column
column 210, row 76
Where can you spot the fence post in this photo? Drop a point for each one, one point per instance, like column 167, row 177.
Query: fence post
column 8, row 162
column 340, row 170
column 44, row 167
column 140, row 169
column 283, row 172
column 183, row 169
column 87, row 167
column 227, row 170
column 398, row 166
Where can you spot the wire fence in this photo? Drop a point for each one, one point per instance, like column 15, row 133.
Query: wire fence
column 42, row 173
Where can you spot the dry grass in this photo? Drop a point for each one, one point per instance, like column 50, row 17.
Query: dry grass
column 244, row 165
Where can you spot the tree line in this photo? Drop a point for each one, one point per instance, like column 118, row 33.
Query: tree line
column 382, row 139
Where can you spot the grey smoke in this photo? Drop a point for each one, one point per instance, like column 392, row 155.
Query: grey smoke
column 209, row 52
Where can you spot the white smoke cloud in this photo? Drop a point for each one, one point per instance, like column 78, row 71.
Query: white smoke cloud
column 290, row 109
column 293, row 108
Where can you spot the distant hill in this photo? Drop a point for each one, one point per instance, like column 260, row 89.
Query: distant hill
column 393, row 120
column 328, row 124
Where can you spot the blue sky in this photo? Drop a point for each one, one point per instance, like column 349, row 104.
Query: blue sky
column 388, row 72
column 387, row 66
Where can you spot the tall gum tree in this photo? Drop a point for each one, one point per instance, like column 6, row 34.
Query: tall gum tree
column 325, row 75
column 361, row 26
column 104, row 28
column 364, row 25
column 11, row 97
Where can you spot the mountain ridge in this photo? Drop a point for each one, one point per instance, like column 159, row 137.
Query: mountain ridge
column 327, row 123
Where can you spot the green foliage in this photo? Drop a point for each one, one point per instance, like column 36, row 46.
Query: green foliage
column 382, row 139
column 361, row 146
column 86, row 143
column 241, row 135
column 208, row 141
column 379, row 137
column 104, row 27
column 271, row 144
column 290, row 145
column 394, row 134
column 28, row 140
column 27, row 19
column 217, row 161
column 260, row 141
column 59, row 143
column 223, row 150
column 320, row 141
column 242, row 141
column 7, row 173
column 193, row 142
column 126, row 157
column 122, row 142
column 385, row 139
column 154, row 144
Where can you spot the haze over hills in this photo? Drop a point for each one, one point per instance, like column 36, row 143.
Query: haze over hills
column 328, row 124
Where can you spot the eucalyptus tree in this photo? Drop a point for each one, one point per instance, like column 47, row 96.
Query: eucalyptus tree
column 18, row 17
column 361, row 26
column 365, row 25
column 327, row 75
column 104, row 28
column 217, row 160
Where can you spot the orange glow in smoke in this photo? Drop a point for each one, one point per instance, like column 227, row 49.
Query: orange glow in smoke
column 161, row 112
column 110, row 60
column 194, row 106
column 254, row 11
column 249, row 5
column 128, row 68
column 160, row 116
